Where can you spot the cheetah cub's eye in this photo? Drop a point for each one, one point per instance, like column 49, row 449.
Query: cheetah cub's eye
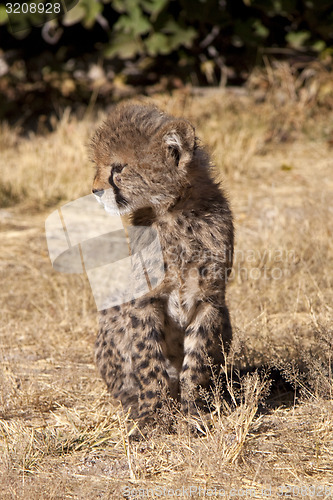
column 117, row 167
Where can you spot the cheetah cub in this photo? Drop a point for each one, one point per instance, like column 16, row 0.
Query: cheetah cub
column 149, row 165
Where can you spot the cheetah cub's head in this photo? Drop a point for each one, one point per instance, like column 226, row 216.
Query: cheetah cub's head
column 142, row 158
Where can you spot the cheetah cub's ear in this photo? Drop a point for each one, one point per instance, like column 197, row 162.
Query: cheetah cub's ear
column 178, row 139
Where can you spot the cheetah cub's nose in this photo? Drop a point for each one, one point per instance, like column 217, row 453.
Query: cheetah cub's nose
column 98, row 193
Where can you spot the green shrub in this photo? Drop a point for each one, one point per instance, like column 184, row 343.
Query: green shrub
column 205, row 32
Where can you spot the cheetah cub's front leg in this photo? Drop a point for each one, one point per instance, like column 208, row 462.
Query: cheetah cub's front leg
column 203, row 352
column 130, row 356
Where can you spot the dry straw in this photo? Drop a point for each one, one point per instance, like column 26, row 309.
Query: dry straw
column 61, row 436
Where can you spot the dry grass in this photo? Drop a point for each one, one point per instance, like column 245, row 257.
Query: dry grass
column 60, row 435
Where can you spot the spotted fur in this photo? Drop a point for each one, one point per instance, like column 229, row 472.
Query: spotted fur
column 160, row 345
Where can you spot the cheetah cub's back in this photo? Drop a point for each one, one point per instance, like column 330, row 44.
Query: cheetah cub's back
column 150, row 166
